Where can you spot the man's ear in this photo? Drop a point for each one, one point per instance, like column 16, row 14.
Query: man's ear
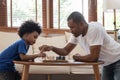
column 81, row 23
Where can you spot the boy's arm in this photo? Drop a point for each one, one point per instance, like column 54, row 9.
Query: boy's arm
column 31, row 57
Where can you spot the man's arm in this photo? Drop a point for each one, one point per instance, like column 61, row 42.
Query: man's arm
column 60, row 51
column 93, row 56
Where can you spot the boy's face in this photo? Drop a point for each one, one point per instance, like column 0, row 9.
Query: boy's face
column 31, row 38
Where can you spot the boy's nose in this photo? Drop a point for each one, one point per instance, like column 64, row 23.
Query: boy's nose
column 35, row 41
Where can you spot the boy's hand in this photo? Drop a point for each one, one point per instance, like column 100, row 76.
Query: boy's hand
column 41, row 55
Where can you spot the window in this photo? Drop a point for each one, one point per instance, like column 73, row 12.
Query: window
column 21, row 10
column 118, row 18
column 63, row 8
column 108, row 18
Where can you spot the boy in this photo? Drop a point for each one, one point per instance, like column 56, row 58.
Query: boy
column 28, row 32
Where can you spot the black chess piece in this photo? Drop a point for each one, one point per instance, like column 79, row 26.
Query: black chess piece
column 60, row 58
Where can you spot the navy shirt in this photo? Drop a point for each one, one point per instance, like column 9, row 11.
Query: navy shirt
column 12, row 53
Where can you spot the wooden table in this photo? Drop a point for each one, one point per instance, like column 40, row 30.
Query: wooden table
column 26, row 65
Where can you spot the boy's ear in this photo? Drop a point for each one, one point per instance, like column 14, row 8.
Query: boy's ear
column 18, row 33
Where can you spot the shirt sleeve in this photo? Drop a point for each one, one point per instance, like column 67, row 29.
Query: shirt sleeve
column 96, row 36
column 22, row 47
column 73, row 40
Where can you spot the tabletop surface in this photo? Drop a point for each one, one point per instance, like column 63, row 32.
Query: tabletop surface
column 58, row 63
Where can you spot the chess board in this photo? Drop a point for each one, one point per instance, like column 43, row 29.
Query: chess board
column 64, row 61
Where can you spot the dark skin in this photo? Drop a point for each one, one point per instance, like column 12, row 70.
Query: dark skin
column 30, row 39
column 76, row 29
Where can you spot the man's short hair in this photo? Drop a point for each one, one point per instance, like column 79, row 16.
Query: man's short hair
column 76, row 17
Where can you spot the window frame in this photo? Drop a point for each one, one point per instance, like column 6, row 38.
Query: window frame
column 11, row 13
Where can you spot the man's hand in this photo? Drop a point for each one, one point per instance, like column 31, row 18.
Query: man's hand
column 76, row 57
column 45, row 48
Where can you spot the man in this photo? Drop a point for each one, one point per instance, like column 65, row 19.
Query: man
column 98, row 45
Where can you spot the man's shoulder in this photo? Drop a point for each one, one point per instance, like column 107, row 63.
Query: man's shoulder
column 95, row 24
column 95, row 27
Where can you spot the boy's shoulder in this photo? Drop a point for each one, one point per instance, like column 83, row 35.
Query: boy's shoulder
column 20, row 41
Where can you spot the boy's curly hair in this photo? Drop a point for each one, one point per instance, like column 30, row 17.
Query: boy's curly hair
column 29, row 27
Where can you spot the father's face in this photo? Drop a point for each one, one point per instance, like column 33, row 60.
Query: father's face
column 75, row 29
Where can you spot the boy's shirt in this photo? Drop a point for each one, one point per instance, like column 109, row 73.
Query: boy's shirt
column 12, row 53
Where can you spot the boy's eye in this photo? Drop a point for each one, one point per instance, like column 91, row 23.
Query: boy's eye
column 35, row 37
